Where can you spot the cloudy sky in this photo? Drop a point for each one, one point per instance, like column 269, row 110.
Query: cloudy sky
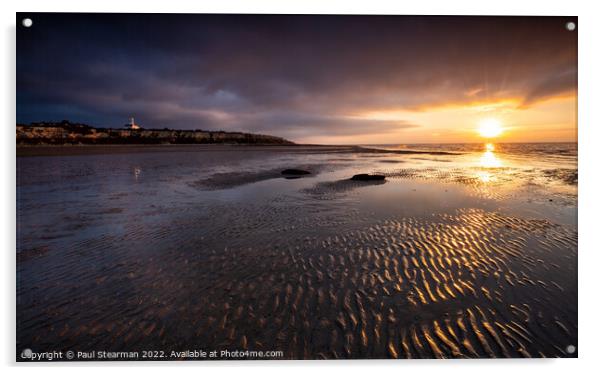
column 313, row 79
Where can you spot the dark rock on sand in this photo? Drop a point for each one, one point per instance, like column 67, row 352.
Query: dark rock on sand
column 295, row 172
column 226, row 180
column 368, row 177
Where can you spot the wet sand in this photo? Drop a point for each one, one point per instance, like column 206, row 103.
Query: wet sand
column 455, row 256
column 66, row 150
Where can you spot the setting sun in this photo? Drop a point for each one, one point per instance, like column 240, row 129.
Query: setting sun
column 490, row 128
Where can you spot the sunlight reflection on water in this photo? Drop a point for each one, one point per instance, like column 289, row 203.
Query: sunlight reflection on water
column 490, row 160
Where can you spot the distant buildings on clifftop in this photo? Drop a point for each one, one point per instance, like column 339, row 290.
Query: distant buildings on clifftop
column 65, row 132
column 132, row 125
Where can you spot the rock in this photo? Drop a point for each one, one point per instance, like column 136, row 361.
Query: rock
column 295, row 172
column 368, row 177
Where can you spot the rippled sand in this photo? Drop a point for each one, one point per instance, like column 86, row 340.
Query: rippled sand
column 144, row 251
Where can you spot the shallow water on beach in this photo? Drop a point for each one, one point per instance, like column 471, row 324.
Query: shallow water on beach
column 463, row 252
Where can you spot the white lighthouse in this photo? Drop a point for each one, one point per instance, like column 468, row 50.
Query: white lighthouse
column 132, row 125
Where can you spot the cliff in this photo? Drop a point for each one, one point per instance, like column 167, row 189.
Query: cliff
column 58, row 133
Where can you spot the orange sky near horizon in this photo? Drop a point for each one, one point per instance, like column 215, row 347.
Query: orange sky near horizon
column 553, row 119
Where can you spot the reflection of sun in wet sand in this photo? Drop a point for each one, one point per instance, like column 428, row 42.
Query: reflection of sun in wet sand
column 489, row 128
column 488, row 160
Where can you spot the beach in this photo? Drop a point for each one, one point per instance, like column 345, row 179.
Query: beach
column 462, row 251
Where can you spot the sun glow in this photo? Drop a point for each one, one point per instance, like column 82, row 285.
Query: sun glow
column 493, row 121
column 490, row 128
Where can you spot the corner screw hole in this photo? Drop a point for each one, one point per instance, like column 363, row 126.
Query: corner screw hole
column 570, row 26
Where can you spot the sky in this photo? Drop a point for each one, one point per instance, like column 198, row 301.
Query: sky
column 310, row 79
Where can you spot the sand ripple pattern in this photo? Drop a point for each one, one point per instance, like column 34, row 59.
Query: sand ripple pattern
column 464, row 285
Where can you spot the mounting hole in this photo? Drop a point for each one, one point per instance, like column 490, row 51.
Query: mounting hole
column 27, row 353
column 27, row 22
column 571, row 349
column 570, row 26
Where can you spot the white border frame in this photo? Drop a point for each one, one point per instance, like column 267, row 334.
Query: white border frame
column 590, row 135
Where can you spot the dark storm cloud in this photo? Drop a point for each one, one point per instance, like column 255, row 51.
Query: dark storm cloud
column 285, row 75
